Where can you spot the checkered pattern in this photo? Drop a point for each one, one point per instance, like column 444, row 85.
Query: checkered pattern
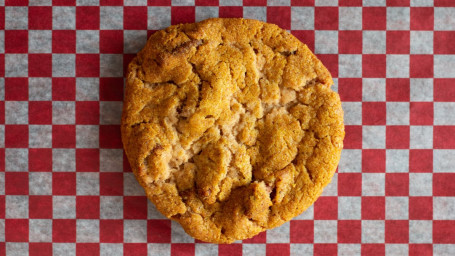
column 66, row 187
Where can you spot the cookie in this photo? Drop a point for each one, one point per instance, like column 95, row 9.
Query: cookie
column 230, row 126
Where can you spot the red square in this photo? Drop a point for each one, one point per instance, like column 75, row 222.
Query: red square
column 349, row 231
column 350, row 89
column 16, row 2
column 16, row 136
column 40, row 112
column 373, row 249
column 373, row 160
column 40, row 249
column 114, row 2
column 422, row 18
column 126, row 164
column 87, row 160
column 330, row 61
column 301, row 2
column 16, row 183
column 182, row 14
column 398, row 2
column 350, row 42
column 373, row 113
column 443, row 42
column 63, row 88
column 40, row 159
column 260, row 238
column 88, row 207
column 110, row 136
column 64, row 183
column 302, row 231
column 159, row 2
column 350, row 2
column 88, row 249
column 305, row 36
column 63, row 136
column 272, row 250
column 444, row 3
column 349, row 184
column 87, row 65
column 325, row 249
column 326, row 208
column 443, row 231
column 135, row 207
column 229, row 249
column 374, row 18
column 443, row 184
column 2, row 17
column 209, row 2
column 87, row 17
column 420, row 160
column 111, row 41
column 231, row 12
column 16, row 41
column 134, row 249
column 127, row 58
column 63, row 41
column 420, row 208
column 420, row 250
column 444, row 90
column 63, row 2
column 279, row 15
column 40, row 207
column 421, row 66
column 353, row 138
column 16, row 230
column 63, row 231
column 111, row 89
column 40, row 17
column 182, row 249
column 159, row 231
column 135, row 17
column 87, row 112
column 421, row 113
column 397, row 89
column 16, row 89
column 397, row 184
column 373, row 208
column 397, row 137
column 373, row 65
column 443, row 137
column 398, row 42
column 325, row 18
column 111, row 231
column 111, row 184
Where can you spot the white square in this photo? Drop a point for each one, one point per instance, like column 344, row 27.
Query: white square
column 443, row 249
column 87, row 136
column 443, row 208
column 350, row 65
column 334, row 86
column 159, row 249
column 40, row 183
column 398, row 18
column 396, row 249
column 111, row 17
column 64, row 207
column 421, row 137
column 135, row 231
column 283, row 2
column 63, row 65
column 421, row 42
column 2, row 184
column 350, row 18
column 301, row 249
column 130, row 185
column 87, row 183
column 88, row 2
column 2, row 88
column 178, row 235
column 38, row 3
column 332, row 188
column 110, row 112
column 420, row 231
column 373, row 42
column 421, row 89
column 325, row 231
column 16, row 249
column 2, row 227
column 302, row 18
column 231, row 3
column 326, row 41
column 158, row 17
column 40, row 41
column 349, row 207
column 206, row 12
column 134, row 40
column 87, row 41
column 153, row 213
column 443, row 65
column 16, row 65
column 307, row 214
column 252, row 12
column 420, row 184
column 63, row 112
column 206, row 249
column 443, row 18
column 111, row 160
column 443, row 113
column 2, row 136
column 373, row 2
column 111, row 207
column 67, row 249
column 16, row 159
column 111, row 65
column 397, row 113
column 352, row 113
column 279, row 234
column 373, row 89
column 16, row 112
column 349, row 249
column 63, row 160
column 87, row 89
column 2, row 41
column 396, row 208
column 373, row 231
column 16, row 17
column 397, row 66
column 247, row 249
column 87, row 231
column 16, row 207
column 373, row 184
column 135, row 3
column 40, row 230
column 397, row 160
column 350, row 161
column 443, row 160
column 63, row 17
column 39, row 88
column 183, row 2
column 422, row 3
column 373, row 136
column 111, row 249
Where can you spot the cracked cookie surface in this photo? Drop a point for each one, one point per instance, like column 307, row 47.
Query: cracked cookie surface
column 230, row 126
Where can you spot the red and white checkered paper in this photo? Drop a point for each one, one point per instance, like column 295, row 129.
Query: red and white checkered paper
column 65, row 184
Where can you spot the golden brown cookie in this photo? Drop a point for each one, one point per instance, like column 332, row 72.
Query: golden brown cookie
column 230, row 126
